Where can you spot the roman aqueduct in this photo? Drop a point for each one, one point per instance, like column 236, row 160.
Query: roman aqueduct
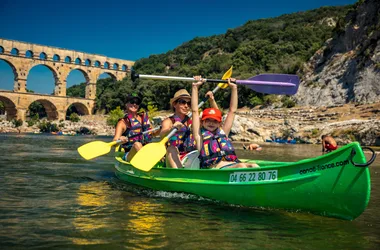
column 22, row 57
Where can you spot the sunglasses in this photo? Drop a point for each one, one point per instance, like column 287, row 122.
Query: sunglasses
column 135, row 101
column 183, row 102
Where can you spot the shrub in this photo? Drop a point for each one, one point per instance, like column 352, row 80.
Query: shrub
column 74, row 117
column 31, row 123
column 255, row 101
column 114, row 116
column 48, row 127
column 152, row 110
column 287, row 102
column 17, row 123
column 314, row 131
column 270, row 99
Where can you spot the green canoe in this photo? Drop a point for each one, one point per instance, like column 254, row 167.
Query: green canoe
column 336, row 184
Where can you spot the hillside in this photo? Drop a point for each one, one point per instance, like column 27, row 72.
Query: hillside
column 347, row 68
column 281, row 45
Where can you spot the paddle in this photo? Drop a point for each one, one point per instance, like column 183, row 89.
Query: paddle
column 280, row 84
column 97, row 148
column 150, row 154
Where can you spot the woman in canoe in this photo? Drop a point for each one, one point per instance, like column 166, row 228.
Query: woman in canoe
column 211, row 136
column 182, row 142
column 130, row 127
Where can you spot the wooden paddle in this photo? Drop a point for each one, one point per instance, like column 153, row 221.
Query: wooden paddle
column 150, row 154
column 97, row 148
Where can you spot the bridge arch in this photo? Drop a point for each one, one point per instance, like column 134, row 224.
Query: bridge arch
column 15, row 52
column 29, row 54
column 14, row 70
column 10, row 107
column 81, row 108
column 101, row 76
column 50, row 109
column 51, row 69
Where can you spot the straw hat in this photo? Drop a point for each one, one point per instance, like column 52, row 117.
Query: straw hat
column 180, row 94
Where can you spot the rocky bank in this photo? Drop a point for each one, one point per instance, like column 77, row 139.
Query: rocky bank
column 348, row 122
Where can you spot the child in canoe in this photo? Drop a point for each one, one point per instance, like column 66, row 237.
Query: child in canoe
column 211, row 136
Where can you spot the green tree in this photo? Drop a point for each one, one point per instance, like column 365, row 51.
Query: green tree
column 77, row 90
column 74, row 117
column 114, row 116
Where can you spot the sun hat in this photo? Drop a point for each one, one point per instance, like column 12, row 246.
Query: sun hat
column 212, row 113
column 182, row 93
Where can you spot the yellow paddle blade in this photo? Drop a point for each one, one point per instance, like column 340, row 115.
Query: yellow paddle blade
column 94, row 149
column 149, row 155
column 226, row 75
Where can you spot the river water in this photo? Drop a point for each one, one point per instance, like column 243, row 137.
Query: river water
column 50, row 198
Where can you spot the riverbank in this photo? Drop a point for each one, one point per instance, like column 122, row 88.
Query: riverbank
column 346, row 123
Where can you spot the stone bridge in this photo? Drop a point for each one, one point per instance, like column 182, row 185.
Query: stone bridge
column 56, row 107
column 22, row 57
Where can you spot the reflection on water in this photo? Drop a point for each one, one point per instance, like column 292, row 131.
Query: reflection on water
column 51, row 198
column 147, row 225
column 91, row 198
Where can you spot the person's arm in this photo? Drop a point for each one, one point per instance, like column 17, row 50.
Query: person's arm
column 233, row 107
column 194, row 109
column 166, row 126
column 120, row 128
column 211, row 100
column 323, row 145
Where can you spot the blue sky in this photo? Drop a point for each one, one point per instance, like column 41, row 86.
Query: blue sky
column 127, row 29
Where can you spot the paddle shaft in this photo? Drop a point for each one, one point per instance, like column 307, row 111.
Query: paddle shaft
column 243, row 82
column 143, row 133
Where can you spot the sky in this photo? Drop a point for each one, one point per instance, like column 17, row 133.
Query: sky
column 125, row 29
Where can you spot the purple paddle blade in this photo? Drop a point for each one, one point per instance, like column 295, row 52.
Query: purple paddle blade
column 279, row 84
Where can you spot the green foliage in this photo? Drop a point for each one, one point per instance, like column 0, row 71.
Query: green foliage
column 31, row 123
column 77, row 90
column 37, row 111
column 74, row 117
column 2, row 106
column 114, row 116
column 47, row 127
column 17, row 122
column 274, row 45
column 314, row 132
column 255, row 101
column 287, row 102
column 270, row 99
column 152, row 110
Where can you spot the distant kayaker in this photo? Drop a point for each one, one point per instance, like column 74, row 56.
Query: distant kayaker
column 252, row 147
column 216, row 150
column 130, row 127
column 328, row 143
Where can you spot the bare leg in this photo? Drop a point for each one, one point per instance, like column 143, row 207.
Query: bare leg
column 172, row 157
column 236, row 165
column 135, row 147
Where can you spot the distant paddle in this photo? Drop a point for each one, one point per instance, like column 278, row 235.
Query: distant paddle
column 94, row 149
column 280, row 84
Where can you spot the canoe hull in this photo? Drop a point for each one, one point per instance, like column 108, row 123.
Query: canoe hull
column 329, row 185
